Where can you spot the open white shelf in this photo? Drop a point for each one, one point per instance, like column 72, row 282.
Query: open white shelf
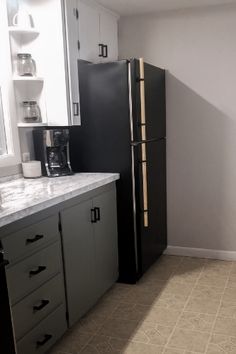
column 31, row 125
column 23, row 31
column 27, row 78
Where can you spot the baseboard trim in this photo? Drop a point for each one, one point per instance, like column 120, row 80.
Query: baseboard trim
column 201, row 253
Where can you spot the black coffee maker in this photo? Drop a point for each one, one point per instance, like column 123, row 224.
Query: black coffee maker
column 52, row 149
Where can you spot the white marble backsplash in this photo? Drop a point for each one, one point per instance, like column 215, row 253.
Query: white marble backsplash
column 24, row 197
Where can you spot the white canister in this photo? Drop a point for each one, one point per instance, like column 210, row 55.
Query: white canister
column 32, row 169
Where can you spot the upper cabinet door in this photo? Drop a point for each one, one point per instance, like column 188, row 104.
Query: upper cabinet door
column 88, row 32
column 73, row 44
column 109, row 35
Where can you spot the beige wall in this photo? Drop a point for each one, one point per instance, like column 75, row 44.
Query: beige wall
column 198, row 48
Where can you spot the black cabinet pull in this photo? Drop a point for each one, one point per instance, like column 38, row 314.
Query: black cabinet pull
column 93, row 215
column 37, row 271
column 75, row 109
column 35, row 239
column 97, row 214
column 41, row 306
column 105, row 51
column 101, row 50
column 76, row 13
column 47, row 337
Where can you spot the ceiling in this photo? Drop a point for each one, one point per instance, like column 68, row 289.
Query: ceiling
column 138, row 7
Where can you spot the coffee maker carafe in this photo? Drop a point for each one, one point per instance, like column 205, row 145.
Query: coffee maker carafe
column 52, row 149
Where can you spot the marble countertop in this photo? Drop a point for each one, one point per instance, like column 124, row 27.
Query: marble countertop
column 24, row 197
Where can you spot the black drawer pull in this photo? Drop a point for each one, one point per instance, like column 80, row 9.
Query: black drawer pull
column 37, row 271
column 105, row 51
column 41, row 306
column 93, row 216
column 47, row 337
column 35, row 239
column 101, row 50
column 76, row 109
column 97, row 214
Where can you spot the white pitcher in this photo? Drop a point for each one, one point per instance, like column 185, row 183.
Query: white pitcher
column 22, row 18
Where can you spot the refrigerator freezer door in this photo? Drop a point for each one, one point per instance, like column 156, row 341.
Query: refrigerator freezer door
column 149, row 82
column 152, row 238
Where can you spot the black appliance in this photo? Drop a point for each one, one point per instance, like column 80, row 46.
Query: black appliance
column 123, row 130
column 52, row 149
column 7, row 342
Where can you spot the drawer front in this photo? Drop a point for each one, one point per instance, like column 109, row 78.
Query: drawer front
column 32, row 272
column 27, row 240
column 42, row 337
column 32, row 309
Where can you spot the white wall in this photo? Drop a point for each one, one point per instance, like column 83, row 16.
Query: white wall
column 198, row 48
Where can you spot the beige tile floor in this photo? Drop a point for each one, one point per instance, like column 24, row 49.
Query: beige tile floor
column 182, row 305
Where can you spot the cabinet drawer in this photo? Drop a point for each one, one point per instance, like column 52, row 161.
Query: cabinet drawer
column 42, row 337
column 28, row 239
column 28, row 275
column 32, row 309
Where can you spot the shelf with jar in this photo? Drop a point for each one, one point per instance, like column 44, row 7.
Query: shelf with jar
column 31, row 32
column 30, row 100
column 27, row 67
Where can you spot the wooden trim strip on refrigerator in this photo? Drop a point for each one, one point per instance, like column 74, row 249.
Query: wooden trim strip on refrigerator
column 143, row 145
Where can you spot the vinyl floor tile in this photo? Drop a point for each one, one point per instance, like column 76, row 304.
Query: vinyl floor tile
column 182, row 305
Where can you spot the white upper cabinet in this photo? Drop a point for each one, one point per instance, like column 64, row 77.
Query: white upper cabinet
column 59, row 33
column 97, row 33
column 43, row 38
column 88, row 32
column 72, row 51
column 91, row 35
column 109, row 36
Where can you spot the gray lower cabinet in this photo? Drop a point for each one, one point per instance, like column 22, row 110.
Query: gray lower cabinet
column 106, row 243
column 35, row 274
column 89, row 235
column 36, row 282
column 79, row 258
column 45, row 334
column 38, row 305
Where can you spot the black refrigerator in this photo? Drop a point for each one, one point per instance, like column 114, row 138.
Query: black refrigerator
column 123, row 129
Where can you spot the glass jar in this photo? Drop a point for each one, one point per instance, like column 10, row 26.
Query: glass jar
column 31, row 112
column 26, row 66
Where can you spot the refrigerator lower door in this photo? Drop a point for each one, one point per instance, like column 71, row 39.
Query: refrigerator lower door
column 150, row 176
